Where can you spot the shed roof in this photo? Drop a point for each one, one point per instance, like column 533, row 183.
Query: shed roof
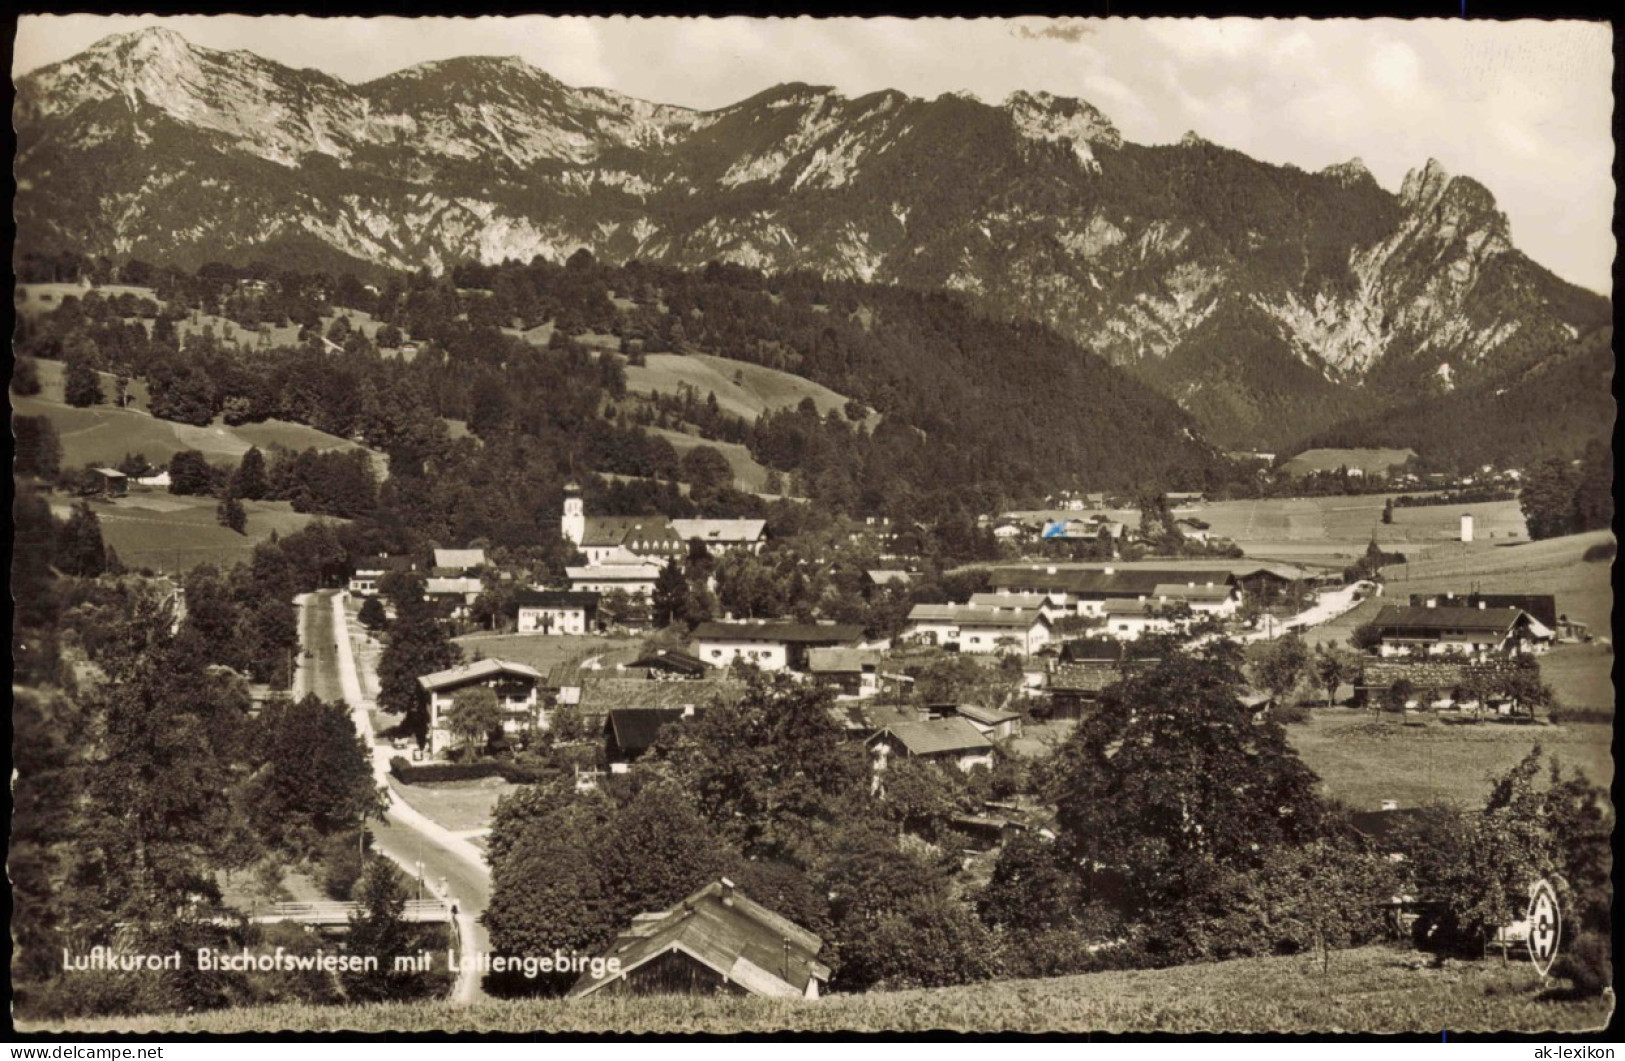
column 720, row 530
column 937, row 736
column 554, row 598
column 718, row 926
column 459, row 558
column 987, row 716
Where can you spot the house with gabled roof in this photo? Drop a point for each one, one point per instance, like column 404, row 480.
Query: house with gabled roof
column 634, row 579
column 850, row 671
column 770, row 646
column 454, row 562
column 556, row 611
column 514, row 684
column 716, row 941
column 978, row 629
column 1455, row 631
column 951, row 740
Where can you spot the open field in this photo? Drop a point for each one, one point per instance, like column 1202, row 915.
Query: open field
column 1372, row 989
column 748, row 475
column 758, row 388
column 170, row 533
column 1334, row 531
column 1365, row 758
column 1583, row 589
column 1366, row 461
column 457, row 805
column 545, row 651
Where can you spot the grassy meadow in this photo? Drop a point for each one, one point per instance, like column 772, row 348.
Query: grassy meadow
column 459, row 806
column 748, row 474
column 1372, row 989
column 1364, row 758
column 169, row 533
column 758, row 389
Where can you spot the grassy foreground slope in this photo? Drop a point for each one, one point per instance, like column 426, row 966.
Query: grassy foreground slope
column 1374, row 989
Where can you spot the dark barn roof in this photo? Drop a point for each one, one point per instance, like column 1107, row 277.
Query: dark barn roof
column 789, row 633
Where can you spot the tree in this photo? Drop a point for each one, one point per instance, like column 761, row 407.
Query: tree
column 1324, row 896
column 657, row 850
column 546, row 891
column 80, row 549
column 1365, row 637
column 417, row 646
column 317, row 779
column 372, row 614
column 1388, row 510
column 379, row 929
column 37, row 449
column 473, row 717
column 707, row 470
column 229, row 514
column 1547, row 499
column 1171, row 779
column 670, row 594
column 81, row 385
column 922, row 796
column 767, row 767
column 1332, row 667
column 1282, row 665
column 249, row 479
column 190, row 474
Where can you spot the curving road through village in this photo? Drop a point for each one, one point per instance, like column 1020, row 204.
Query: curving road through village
column 454, row 870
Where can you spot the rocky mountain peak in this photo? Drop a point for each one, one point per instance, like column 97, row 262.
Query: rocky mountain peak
column 1044, row 117
column 1349, row 173
column 1425, row 186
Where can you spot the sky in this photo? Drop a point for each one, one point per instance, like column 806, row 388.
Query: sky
column 1524, row 107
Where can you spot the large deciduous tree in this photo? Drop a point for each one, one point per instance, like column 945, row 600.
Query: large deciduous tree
column 317, row 779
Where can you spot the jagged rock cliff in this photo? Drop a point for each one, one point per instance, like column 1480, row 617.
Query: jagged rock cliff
column 1267, row 300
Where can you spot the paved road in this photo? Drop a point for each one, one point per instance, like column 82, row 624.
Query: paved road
column 453, row 869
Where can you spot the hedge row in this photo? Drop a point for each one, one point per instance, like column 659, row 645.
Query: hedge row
column 409, row 773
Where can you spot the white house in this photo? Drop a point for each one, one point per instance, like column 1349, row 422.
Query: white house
column 1213, row 598
column 770, row 646
column 722, row 535
column 969, row 628
column 556, row 612
column 513, row 683
column 1050, row 606
column 1129, row 620
column 637, row 580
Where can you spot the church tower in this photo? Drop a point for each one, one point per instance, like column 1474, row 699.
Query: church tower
column 574, row 524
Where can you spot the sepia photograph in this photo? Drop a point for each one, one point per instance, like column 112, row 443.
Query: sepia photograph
column 728, row 526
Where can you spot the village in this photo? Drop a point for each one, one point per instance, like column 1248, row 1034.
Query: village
column 976, row 685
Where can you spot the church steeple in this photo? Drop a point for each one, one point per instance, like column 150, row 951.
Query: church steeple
column 574, row 524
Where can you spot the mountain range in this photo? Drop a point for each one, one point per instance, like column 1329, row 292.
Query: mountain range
column 1270, row 302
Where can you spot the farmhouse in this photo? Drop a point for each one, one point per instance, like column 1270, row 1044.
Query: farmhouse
column 722, row 535
column 947, row 740
column 635, row 579
column 770, row 646
column 1211, row 599
column 556, row 612
column 1046, row 605
column 454, row 595
column 968, row 628
column 513, row 683
column 1087, row 589
column 454, row 562
column 368, row 573
column 716, row 941
column 1447, row 631
column 1542, row 607
column 850, row 671
column 1130, row 620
